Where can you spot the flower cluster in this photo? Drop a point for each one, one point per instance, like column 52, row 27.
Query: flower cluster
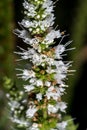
column 42, row 108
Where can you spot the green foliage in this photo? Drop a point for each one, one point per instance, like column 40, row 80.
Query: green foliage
column 71, row 125
column 48, row 125
column 4, row 122
column 6, row 39
column 6, row 58
column 78, row 31
column 8, row 83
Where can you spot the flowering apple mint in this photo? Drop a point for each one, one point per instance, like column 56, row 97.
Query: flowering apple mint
column 39, row 105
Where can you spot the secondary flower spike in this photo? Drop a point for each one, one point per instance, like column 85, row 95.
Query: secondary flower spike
column 38, row 105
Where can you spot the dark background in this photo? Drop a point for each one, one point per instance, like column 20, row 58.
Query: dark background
column 71, row 15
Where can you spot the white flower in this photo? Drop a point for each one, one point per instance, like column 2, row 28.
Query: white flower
column 48, row 22
column 26, row 54
column 60, row 77
column 13, row 105
column 21, row 122
column 28, row 88
column 47, row 83
column 39, row 83
column 61, row 71
column 50, row 61
column 61, row 90
column 59, row 50
column 53, row 93
column 49, row 10
column 61, row 106
column 27, row 74
column 34, row 127
column 47, row 3
column 27, row 40
column 36, row 59
column 61, row 67
column 52, row 109
column 21, row 33
column 25, row 34
column 27, row 23
column 32, row 80
column 31, row 111
column 39, row 96
column 62, row 125
column 7, row 95
column 50, row 70
column 52, row 35
column 30, row 8
column 63, row 85
column 43, row 25
column 37, row 47
column 31, row 41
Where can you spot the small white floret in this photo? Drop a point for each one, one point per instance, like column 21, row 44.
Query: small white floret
column 31, row 111
column 39, row 96
column 62, row 125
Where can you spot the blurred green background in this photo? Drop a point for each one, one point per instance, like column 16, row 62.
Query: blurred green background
column 71, row 15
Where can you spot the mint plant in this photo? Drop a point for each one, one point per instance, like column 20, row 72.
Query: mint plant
column 38, row 105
